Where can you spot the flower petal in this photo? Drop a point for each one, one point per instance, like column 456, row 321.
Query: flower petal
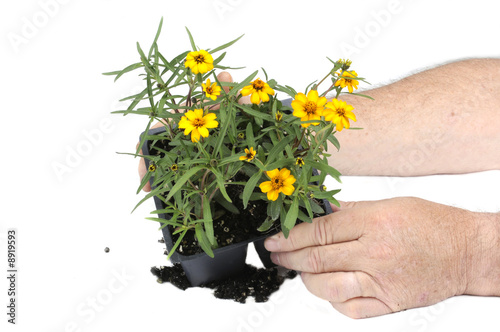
column 272, row 174
column 284, row 173
column 191, row 115
column 211, row 124
column 301, row 97
column 198, row 113
column 195, row 135
column 203, row 131
column 254, row 98
column 273, row 195
column 289, row 181
column 266, row 186
column 287, row 190
column 246, row 90
column 350, row 115
column 313, row 96
column 263, row 96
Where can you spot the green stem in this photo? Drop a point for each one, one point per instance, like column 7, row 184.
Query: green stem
column 324, row 78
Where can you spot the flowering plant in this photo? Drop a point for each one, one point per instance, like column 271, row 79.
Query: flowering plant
column 211, row 141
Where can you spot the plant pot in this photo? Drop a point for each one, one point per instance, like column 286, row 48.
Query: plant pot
column 228, row 260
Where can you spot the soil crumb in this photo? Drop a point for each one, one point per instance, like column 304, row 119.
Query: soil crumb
column 254, row 282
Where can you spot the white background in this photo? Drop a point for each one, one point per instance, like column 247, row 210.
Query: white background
column 53, row 96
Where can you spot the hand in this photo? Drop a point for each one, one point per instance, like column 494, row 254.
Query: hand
column 222, row 77
column 374, row 258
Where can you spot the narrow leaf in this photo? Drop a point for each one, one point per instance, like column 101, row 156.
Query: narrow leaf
column 291, row 216
column 201, row 236
column 250, row 186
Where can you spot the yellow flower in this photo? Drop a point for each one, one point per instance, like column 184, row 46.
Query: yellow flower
column 174, row 167
column 279, row 116
column 195, row 123
column 250, row 154
column 152, row 167
column 211, row 91
column 300, row 162
column 259, row 89
column 345, row 63
column 308, row 108
column 199, row 61
column 339, row 112
column 348, row 82
column 281, row 181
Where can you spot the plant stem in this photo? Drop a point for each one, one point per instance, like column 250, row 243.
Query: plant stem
column 324, row 78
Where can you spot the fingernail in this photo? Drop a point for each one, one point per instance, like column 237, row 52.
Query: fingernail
column 272, row 243
column 275, row 258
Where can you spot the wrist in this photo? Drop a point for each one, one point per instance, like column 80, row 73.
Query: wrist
column 483, row 251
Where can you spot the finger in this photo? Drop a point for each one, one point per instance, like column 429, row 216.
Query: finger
column 225, row 77
column 320, row 259
column 341, row 226
column 362, row 307
column 244, row 100
column 340, row 286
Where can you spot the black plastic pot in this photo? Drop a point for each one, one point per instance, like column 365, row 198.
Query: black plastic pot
column 228, row 260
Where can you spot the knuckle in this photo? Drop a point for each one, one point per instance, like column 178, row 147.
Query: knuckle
column 315, row 260
column 321, row 231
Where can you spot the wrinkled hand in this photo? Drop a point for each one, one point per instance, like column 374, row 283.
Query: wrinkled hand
column 374, row 258
column 222, row 77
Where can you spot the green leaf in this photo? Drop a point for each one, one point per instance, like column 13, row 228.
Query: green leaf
column 254, row 113
column 193, row 46
column 226, row 45
column 136, row 101
column 334, row 141
column 316, row 208
column 209, row 224
column 250, row 186
column 177, row 243
column 279, row 164
column 250, row 138
column 143, row 137
column 326, row 169
column 144, row 180
column 278, row 148
column 156, row 38
column 230, row 159
column 203, row 240
column 125, row 70
column 266, row 225
column 220, row 183
column 184, row 178
column 275, row 208
column 325, row 194
column 172, row 221
column 244, row 83
column 226, row 205
column 291, row 216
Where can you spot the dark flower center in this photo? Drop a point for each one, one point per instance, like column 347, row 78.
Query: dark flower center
column 277, row 183
column 258, row 85
column 199, row 59
column 310, row 108
column 198, row 123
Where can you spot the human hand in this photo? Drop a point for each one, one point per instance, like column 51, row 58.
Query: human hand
column 373, row 258
column 222, row 77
